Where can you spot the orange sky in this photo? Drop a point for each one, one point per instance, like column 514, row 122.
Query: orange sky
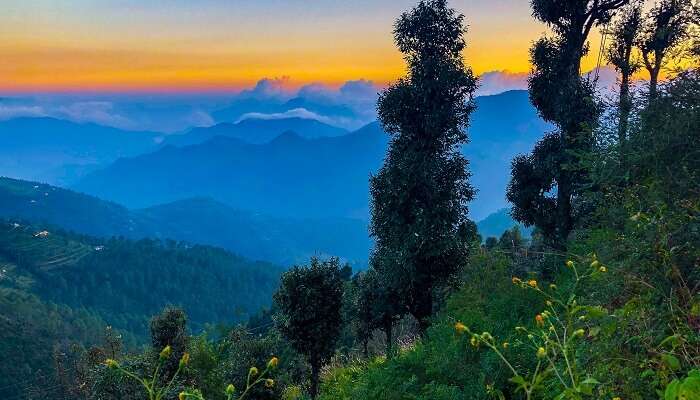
column 177, row 45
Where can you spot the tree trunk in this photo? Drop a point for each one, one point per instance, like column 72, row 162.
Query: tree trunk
column 653, row 83
column 388, row 331
column 625, row 109
column 315, row 372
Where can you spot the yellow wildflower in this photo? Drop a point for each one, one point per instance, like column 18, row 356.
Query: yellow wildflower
column 532, row 283
column 539, row 319
column 460, row 327
column 274, row 361
column 182, row 396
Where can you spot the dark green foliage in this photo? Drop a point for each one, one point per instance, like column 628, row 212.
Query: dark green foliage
column 438, row 366
column 666, row 27
column 625, row 32
column 420, row 195
column 309, row 301
column 377, row 306
column 169, row 328
column 545, row 184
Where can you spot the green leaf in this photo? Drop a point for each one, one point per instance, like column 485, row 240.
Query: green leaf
column 590, row 381
column 593, row 332
column 671, row 361
column 672, row 340
column 518, row 380
column 689, row 389
column 671, row 392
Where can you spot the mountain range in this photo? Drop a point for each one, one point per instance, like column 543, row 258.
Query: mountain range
column 58, row 151
column 297, row 175
column 257, row 131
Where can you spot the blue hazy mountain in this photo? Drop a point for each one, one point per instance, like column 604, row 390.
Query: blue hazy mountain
column 257, row 131
column 326, row 177
column 495, row 224
column 197, row 220
column 59, row 151
column 289, row 176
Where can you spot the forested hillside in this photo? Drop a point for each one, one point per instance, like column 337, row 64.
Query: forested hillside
column 60, row 289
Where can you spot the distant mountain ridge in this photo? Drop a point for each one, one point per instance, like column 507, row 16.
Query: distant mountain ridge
column 322, row 177
column 257, row 131
column 59, row 151
column 284, row 241
column 289, row 176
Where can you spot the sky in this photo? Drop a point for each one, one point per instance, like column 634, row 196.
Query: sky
column 163, row 46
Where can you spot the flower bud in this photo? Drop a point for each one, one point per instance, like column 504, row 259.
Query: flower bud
column 516, row 280
column 182, row 396
column 570, row 264
column 269, row 383
column 506, row 345
column 111, row 364
column 530, row 336
column 548, row 303
column 185, row 360
column 230, row 389
column 541, row 352
column 579, row 333
column 602, row 269
column 595, row 264
column 474, row 341
column 272, row 364
column 486, row 336
column 165, row 353
column 253, row 371
column 553, row 286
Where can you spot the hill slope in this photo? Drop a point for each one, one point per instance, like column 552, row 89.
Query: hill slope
column 198, row 220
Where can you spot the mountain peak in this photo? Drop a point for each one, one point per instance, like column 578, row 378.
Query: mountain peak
column 288, row 137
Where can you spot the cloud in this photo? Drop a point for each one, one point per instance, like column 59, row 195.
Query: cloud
column 495, row 82
column 17, row 111
column 269, row 88
column 294, row 113
column 99, row 112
